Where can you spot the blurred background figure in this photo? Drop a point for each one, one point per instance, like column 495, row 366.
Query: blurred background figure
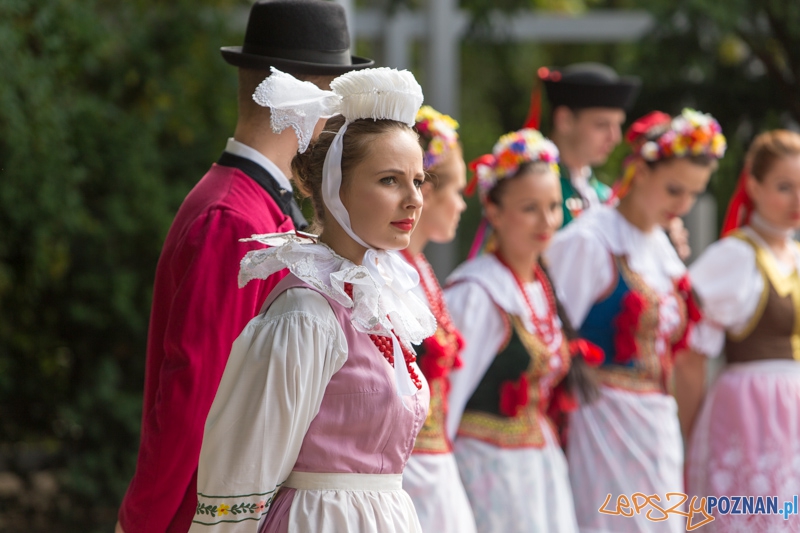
column 431, row 475
column 626, row 290
column 516, row 350
column 745, row 441
column 588, row 102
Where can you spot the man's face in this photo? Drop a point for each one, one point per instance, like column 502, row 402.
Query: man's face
column 592, row 133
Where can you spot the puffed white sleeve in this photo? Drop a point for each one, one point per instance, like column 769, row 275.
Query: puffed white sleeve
column 271, row 390
column 728, row 285
column 581, row 270
column 481, row 325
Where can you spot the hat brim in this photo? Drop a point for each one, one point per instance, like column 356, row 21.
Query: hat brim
column 234, row 56
column 621, row 94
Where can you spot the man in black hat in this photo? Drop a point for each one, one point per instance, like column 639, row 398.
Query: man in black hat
column 588, row 102
column 198, row 310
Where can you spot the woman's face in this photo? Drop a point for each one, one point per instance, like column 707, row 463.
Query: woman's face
column 669, row 190
column 777, row 196
column 382, row 194
column 529, row 212
column 444, row 203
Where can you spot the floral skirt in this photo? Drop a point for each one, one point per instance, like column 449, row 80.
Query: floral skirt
column 746, row 442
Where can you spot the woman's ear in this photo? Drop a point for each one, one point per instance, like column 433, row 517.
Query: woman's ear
column 492, row 212
column 753, row 188
column 641, row 171
column 427, row 189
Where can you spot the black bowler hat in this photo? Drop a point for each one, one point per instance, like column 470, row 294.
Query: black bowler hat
column 299, row 36
column 589, row 85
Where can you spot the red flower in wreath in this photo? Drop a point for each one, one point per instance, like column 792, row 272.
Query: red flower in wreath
column 627, row 323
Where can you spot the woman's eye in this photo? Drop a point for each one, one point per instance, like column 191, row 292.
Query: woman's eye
column 418, row 183
column 784, row 187
column 555, row 206
column 389, row 180
column 530, row 209
column 672, row 191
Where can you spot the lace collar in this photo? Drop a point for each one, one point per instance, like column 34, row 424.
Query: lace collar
column 383, row 299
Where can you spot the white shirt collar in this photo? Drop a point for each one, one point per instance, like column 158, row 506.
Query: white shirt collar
column 242, row 150
column 580, row 181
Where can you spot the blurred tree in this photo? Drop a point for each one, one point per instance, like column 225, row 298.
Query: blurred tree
column 109, row 112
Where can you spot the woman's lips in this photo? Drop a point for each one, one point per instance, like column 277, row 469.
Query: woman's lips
column 407, row 224
column 544, row 237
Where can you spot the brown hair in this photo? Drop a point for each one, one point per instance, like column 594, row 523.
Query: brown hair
column 431, row 174
column 534, row 167
column 307, row 167
column 767, row 148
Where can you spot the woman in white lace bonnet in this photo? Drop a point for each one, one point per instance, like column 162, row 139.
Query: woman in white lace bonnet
column 321, row 399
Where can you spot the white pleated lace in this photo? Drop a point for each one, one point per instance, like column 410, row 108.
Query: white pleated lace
column 383, row 301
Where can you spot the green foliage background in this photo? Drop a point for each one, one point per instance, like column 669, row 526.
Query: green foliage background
column 111, row 111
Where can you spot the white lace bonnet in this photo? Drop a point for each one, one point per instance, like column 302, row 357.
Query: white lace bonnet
column 376, row 93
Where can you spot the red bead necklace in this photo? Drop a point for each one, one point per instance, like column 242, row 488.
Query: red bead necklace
column 434, row 294
column 386, row 347
column 545, row 328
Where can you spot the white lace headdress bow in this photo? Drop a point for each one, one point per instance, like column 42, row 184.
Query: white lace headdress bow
column 378, row 94
column 375, row 93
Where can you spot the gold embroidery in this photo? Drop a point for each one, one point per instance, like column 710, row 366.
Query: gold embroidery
column 649, row 368
column 784, row 286
column 630, row 379
column 526, row 429
column 432, row 437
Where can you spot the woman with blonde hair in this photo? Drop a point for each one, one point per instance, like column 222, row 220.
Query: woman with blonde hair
column 746, row 439
column 431, row 476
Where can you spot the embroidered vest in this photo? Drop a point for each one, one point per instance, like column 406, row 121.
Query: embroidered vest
column 436, row 357
column 774, row 329
column 435, row 367
column 625, row 324
column 522, row 355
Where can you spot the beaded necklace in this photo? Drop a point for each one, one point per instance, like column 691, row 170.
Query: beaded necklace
column 386, row 347
column 433, row 292
column 544, row 327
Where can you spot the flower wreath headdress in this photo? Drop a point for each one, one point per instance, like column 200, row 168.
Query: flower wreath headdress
column 510, row 152
column 657, row 136
column 438, row 134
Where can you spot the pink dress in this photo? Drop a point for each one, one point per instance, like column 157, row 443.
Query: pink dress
column 746, row 439
column 307, row 431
